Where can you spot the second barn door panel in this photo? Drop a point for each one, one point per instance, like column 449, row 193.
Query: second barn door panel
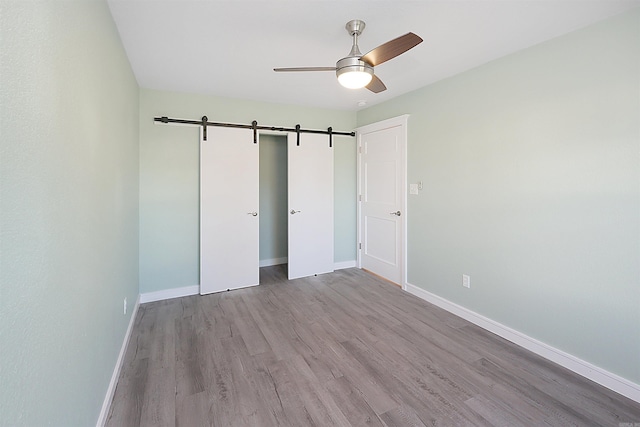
column 310, row 205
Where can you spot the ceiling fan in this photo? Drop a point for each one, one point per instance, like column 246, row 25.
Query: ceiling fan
column 356, row 70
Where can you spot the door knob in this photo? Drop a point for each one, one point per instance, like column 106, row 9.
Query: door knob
column 294, row 212
column 252, row 213
column 397, row 213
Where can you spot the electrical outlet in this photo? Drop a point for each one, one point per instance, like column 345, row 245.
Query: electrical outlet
column 125, row 305
column 466, row 281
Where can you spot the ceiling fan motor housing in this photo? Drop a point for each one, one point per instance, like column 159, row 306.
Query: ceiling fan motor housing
column 352, row 63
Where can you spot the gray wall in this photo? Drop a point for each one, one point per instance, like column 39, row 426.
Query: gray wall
column 169, row 187
column 531, row 186
column 68, row 209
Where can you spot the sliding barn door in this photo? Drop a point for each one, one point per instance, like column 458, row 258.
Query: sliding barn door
column 310, row 198
column 229, row 233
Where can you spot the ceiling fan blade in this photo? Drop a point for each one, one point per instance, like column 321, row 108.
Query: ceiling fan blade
column 376, row 85
column 279, row 70
column 391, row 49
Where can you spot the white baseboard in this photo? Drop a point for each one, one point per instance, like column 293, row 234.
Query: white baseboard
column 344, row 264
column 106, row 405
column 573, row 363
column 273, row 261
column 169, row 293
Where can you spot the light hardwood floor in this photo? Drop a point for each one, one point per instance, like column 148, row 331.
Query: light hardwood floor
column 340, row 349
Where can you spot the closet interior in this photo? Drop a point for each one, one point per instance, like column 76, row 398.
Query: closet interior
column 273, row 200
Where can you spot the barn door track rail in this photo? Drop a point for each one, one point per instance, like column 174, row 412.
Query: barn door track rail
column 254, row 126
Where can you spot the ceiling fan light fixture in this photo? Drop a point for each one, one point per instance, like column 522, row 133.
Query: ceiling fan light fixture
column 353, row 73
column 354, row 79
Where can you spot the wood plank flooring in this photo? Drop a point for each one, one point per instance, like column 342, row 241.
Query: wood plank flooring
column 340, row 349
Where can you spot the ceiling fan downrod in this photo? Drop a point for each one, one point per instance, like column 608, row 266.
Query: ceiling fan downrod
column 355, row 27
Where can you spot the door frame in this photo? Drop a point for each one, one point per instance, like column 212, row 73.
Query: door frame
column 402, row 122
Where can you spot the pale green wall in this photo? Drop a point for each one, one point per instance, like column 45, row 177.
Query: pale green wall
column 531, row 181
column 169, row 178
column 68, row 209
column 273, row 197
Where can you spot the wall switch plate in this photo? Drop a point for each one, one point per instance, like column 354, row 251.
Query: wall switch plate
column 466, row 281
column 413, row 188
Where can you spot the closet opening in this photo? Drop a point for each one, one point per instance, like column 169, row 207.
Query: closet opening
column 273, row 193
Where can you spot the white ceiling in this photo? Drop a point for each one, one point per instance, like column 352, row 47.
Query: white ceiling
column 229, row 48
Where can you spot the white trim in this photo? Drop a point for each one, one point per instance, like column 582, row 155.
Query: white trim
column 358, row 199
column 169, row 293
column 384, row 124
column 344, row 264
column 579, row 366
column 273, row 261
column 106, row 405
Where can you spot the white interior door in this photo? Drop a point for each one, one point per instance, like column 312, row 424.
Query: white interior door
column 229, row 226
column 310, row 199
column 382, row 204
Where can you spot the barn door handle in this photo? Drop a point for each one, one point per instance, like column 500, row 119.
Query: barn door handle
column 252, row 213
column 294, row 212
column 397, row 213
